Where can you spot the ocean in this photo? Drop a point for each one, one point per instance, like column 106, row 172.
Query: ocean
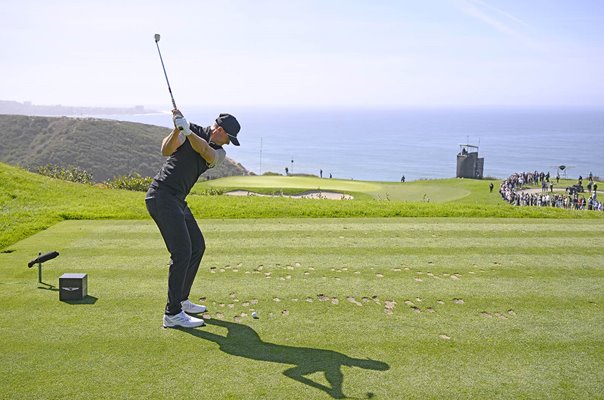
column 385, row 144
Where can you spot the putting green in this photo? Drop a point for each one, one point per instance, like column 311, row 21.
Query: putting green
column 367, row 308
column 435, row 191
column 293, row 182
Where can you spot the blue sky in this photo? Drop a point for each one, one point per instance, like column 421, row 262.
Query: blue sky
column 305, row 53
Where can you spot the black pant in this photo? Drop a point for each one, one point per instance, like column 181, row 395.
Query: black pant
column 184, row 241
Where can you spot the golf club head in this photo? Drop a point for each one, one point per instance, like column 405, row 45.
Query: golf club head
column 156, row 37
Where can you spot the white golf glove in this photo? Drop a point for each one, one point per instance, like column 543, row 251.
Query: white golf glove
column 182, row 124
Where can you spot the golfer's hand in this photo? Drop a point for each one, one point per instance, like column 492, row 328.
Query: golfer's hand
column 176, row 113
column 180, row 122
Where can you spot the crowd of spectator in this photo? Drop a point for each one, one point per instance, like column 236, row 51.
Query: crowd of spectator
column 513, row 191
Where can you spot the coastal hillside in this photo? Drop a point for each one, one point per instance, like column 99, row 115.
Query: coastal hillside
column 104, row 148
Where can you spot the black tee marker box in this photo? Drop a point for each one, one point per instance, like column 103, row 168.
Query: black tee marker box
column 73, row 286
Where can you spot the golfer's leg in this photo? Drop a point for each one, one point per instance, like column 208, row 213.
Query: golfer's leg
column 170, row 219
column 198, row 247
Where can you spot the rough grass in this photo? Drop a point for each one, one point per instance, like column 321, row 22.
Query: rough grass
column 388, row 308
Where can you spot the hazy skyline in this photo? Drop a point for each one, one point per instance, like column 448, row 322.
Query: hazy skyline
column 304, row 53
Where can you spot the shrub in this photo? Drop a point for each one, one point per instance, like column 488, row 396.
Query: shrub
column 70, row 173
column 133, row 181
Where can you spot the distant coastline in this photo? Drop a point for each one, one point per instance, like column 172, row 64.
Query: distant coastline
column 28, row 108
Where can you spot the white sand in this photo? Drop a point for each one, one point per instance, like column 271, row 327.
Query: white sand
column 311, row 194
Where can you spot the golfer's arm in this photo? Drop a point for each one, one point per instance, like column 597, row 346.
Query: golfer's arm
column 202, row 147
column 171, row 143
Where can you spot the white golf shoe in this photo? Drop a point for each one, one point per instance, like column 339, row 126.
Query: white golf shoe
column 183, row 320
column 192, row 308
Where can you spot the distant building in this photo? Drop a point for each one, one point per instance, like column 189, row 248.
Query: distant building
column 468, row 163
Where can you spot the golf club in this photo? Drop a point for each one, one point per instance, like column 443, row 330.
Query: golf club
column 165, row 74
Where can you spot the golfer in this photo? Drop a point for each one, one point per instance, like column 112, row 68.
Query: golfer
column 191, row 150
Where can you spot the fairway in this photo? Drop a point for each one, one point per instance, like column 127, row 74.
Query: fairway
column 390, row 308
column 442, row 190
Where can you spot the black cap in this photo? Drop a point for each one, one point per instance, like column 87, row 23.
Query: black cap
column 230, row 125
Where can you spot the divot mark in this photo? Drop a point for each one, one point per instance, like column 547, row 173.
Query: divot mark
column 245, row 304
column 416, row 309
column 276, row 299
column 445, row 337
column 237, row 318
column 458, row 301
column 440, row 302
column 206, row 316
column 430, row 310
column 365, row 299
column 353, row 300
column 254, row 301
column 335, row 301
column 511, row 312
column 308, row 300
column 285, row 313
column 379, row 275
column 219, row 315
column 322, row 297
column 418, row 280
column 202, row 299
column 409, row 303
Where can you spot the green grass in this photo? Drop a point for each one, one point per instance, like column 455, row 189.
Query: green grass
column 504, row 308
column 441, row 190
column 30, row 202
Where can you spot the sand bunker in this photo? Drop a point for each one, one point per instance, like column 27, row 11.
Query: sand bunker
column 311, row 194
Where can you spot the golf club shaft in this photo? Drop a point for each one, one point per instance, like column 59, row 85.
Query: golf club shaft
column 165, row 74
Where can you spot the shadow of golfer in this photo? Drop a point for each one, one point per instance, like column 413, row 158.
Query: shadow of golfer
column 243, row 341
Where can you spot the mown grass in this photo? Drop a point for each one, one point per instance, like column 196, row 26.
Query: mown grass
column 30, row 203
column 438, row 191
column 386, row 308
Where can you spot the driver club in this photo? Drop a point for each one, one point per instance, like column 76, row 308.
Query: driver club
column 164, row 68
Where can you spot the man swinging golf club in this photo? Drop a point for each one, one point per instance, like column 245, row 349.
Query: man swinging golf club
column 191, row 150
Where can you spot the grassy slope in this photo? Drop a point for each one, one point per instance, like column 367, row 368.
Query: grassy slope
column 30, row 203
column 530, row 325
column 104, row 148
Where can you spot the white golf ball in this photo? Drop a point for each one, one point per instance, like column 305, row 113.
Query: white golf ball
column 254, row 314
